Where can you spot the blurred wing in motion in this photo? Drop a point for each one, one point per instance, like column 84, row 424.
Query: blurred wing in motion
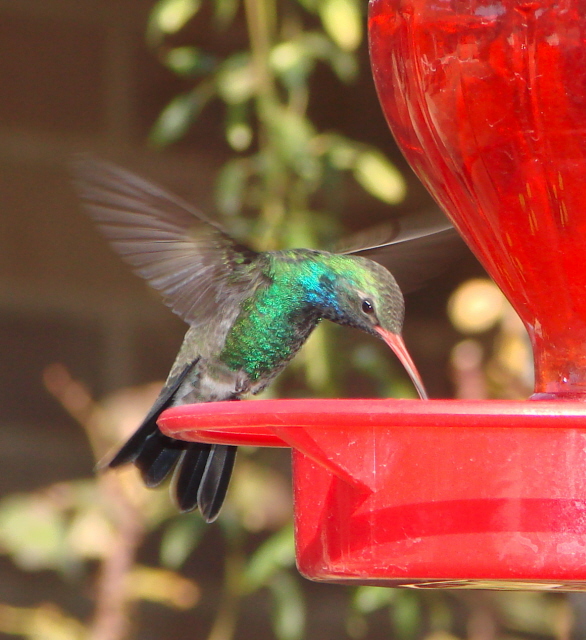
column 190, row 260
column 414, row 248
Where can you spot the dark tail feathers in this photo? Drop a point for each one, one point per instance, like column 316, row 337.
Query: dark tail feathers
column 202, row 471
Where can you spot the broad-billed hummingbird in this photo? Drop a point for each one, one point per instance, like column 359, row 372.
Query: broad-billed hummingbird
column 248, row 314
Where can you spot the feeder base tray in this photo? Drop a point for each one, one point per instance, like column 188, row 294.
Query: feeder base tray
column 444, row 494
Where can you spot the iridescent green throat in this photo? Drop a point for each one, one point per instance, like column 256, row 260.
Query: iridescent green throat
column 275, row 322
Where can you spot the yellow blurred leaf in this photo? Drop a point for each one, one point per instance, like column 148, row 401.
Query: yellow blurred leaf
column 162, row 586
column 46, row 622
column 91, row 534
column 441, row 635
column 343, row 22
column 32, row 531
column 379, row 177
column 239, row 136
column 342, row 153
column 169, row 16
column 287, row 55
column 236, row 80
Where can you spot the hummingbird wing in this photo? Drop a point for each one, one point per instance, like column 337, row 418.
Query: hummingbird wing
column 191, row 261
column 201, row 272
column 413, row 248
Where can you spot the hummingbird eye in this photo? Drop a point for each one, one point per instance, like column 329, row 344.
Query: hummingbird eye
column 367, row 306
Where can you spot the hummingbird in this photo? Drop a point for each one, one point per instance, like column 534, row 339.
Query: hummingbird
column 248, row 313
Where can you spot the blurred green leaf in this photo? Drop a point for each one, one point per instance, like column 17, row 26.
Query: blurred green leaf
column 91, row 534
column 239, row 132
column 225, row 11
column 292, row 62
column 369, row 599
column 292, row 135
column 235, row 79
column 320, row 47
column 530, row 612
column 170, row 16
column 289, row 607
column 406, row 614
column 230, row 187
column 181, row 537
column 239, row 135
column 343, row 22
column 318, row 366
column 276, row 553
column 342, row 153
column 189, row 61
column 179, row 114
column 309, row 5
column 299, row 232
column 162, row 586
column 379, row 177
column 440, row 615
column 33, row 532
column 45, row 622
column 345, row 65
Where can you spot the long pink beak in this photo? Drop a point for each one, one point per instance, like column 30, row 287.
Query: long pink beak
column 395, row 341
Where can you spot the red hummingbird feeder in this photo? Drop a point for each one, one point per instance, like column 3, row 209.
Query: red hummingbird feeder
column 487, row 100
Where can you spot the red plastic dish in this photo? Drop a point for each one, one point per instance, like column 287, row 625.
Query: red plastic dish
column 423, row 493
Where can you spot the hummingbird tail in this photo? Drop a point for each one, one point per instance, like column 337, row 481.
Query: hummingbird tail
column 202, row 478
column 215, row 480
column 157, row 458
column 202, row 471
column 189, row 474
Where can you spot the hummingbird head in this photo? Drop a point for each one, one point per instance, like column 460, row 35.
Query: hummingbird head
column 367, row 297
